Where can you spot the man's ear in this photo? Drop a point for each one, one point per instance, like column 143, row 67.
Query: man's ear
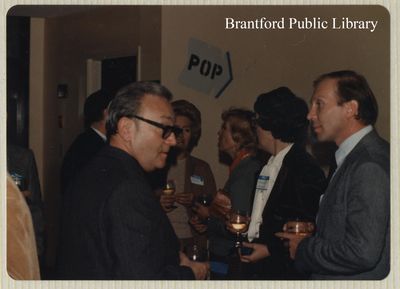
column 125, row 126
column 105, row 114
column 352, row 108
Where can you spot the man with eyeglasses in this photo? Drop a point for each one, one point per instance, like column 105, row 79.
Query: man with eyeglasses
column 113, row 226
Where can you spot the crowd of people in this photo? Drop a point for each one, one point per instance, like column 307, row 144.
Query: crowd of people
column 136, row 204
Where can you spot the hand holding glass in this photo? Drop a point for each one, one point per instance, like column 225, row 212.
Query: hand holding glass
column 169, row 190
column 239, row 221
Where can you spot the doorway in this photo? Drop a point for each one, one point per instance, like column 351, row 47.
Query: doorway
column 18, row 80
column 117, row 72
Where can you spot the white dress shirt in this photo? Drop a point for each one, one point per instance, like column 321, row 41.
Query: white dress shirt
column 99, row 133
column 345, row 148
column 265, row 184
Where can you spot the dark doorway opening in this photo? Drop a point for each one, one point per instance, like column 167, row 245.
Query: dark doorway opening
column 18, row 32
column 117, row 72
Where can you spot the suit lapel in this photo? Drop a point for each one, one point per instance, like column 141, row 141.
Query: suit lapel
column 280, row 181
column 336, row 183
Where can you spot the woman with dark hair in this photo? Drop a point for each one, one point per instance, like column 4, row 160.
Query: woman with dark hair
column 192, row 176
column 288, row 187
column 237, row 139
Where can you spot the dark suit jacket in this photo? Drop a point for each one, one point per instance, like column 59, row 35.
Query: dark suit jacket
column 240, row 188
column 114, row 227
column 353, row 228
column 296, row 193
column 22, row 162
column 82, row 150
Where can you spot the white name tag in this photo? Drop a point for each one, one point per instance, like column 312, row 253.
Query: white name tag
column 197, row 180
column 262, row 182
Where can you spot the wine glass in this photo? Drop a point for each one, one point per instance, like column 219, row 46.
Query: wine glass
column 169, row 190
column 300, row 227
column 195, row 253
column 239, row 221
column 204, row 199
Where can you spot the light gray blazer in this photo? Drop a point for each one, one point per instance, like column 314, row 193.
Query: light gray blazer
column 353, row 226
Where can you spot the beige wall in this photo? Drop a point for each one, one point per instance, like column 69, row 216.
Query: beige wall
column 265, row 59
column 60, row 47
column 261, row 60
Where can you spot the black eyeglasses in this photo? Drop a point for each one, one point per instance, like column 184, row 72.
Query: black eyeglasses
column 166, row 129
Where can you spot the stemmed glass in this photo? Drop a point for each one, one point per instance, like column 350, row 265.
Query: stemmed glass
column 239, row 221
column 169, row 190
column 300, row 227
column 204, row 199
column 195, row 253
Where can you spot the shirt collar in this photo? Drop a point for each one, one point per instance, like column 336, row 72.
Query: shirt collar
column 99, row 133
column 240, row 156
column 278, row 159
column 347, row 146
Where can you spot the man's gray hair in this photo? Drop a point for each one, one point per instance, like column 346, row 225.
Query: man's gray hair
column 127, row 102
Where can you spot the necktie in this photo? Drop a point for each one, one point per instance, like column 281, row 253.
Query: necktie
column 332, row 169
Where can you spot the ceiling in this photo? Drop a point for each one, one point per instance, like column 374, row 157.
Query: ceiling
column 45, row 11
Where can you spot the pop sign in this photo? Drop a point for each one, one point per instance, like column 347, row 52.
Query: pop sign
column 208, row 69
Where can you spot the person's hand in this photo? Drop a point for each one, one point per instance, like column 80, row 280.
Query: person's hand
column 200, row 269
column 260, row 251
column 293, row 240
column 185, row 199
column 197, row 224
column 220, row 205
column 166, row 202
column 202, row 211
column 228, row 225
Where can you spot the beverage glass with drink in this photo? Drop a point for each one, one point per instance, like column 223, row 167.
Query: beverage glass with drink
column 204, row 199
column 239, row 221
column 169, row 190
column 196, row 253
column 300, row 227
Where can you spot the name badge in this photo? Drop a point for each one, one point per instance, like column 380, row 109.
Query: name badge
column 262, row 182
column 197, row 180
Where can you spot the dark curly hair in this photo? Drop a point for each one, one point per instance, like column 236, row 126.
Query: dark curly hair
column 185, row 108
column 284, row 114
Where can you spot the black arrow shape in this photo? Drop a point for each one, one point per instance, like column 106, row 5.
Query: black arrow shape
column 230, row 76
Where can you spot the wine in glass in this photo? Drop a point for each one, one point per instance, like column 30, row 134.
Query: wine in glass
column 239, row 221
column 300, row 227
column 169, row 190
